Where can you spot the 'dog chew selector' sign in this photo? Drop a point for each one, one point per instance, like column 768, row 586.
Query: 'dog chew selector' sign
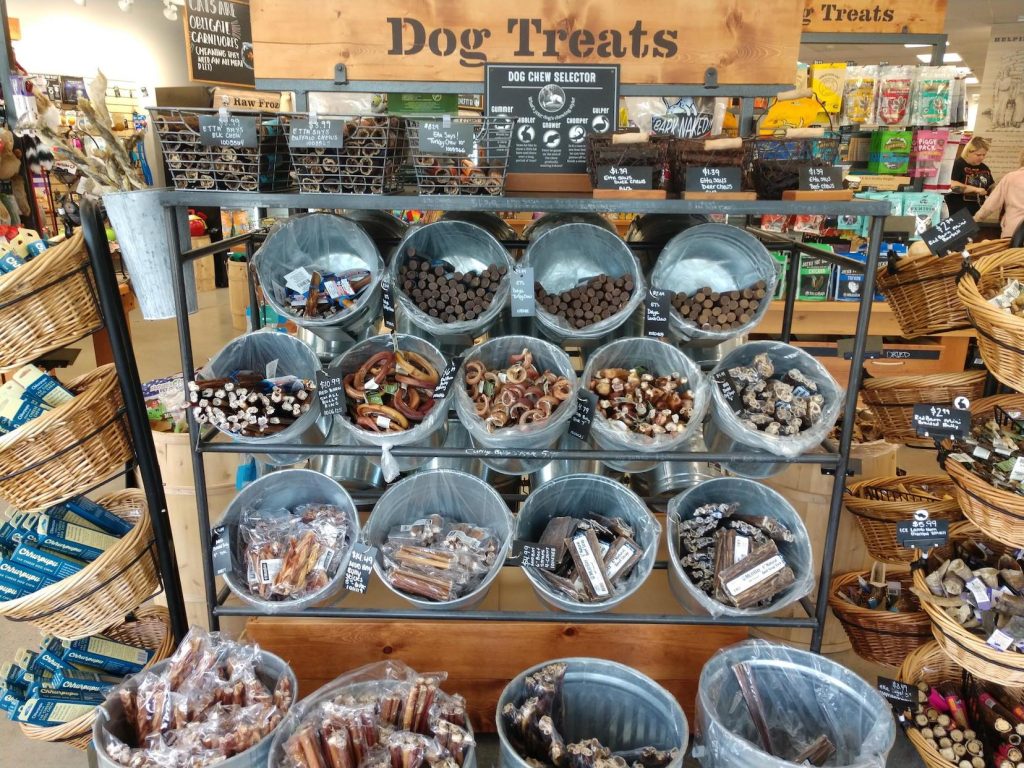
column 659, row 41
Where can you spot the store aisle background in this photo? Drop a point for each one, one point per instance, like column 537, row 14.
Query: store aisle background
column 156, row 351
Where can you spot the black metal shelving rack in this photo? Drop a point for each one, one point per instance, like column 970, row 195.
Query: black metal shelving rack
column 175, row 204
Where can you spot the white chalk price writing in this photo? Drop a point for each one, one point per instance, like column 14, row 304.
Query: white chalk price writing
column 523, row 301
column 625, row 178
column 230, row 131
column 713, row 178
column 360, row 566
column 821, row 178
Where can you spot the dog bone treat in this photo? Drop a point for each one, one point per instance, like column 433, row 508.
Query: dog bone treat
column 246, row 403
column 391, row 391
column 290, row 554
column 714, row 311
column 442, row 292
column 534, row 726
column 774, row 402
column 595, row 299
column 207, row 705
column 316, row 293
column 407, row 722
column 593, row 555
column 519, row 394
column 734, row 558
column 438, row 559
column 634, row 400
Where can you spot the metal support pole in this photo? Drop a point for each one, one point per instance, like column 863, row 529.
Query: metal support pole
column 255, row 312
column 792, row 282
column 846, row 435
column 138, row 421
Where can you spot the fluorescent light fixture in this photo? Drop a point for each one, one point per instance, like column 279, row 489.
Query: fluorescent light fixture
column 948, row 58
column 916, row 45
column 972, row 80
column 79, row 2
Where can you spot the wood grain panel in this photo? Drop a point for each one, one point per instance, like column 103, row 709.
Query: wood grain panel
column 660, row 41
column 887, row 16
column 481, row 657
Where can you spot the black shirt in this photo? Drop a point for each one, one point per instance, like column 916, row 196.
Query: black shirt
column 972, row 175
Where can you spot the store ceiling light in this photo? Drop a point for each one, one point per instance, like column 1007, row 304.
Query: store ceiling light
column 972, row 80
column 79, row 2
column 948, row 58
column 916, row 45
column 170, row 10
column 125, row 5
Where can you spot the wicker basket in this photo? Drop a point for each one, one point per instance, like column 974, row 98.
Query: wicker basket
column 47, row 304
column 69, row 450
column 998, row 513
column 1000, row 334
column 880, row 636
column 922, row 290
column 878, row 506
column 148, row 627
column 893, row 398
column 930, row 664
column 99, row 595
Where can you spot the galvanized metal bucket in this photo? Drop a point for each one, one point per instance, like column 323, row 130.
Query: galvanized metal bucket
column 110, row 718
column 467, row 248
column 549, row 221
column 328, row 242
column 288, row 356
column 385, row 229
column 353, row 473
column 803, row 696
column 430, row 432
column 458, row 437
column 576, row 496
column 722, row 257
column 608, row 701
column 654, row 230
column 562, row 467
column 659, row 359
column 754, row 499
column 669, row 478
column 458, row 498
column 492, row 222
column 287, row 489
column 141, row 224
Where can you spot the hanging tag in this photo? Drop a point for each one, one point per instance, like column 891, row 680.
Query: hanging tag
column 360, row 566
column 583, row 419
column 387, row 302
column 330, row 388
column 527, row 554
column 901, row 695
column 656, row 312
column 444, row 383
column 221, row 550
column 523, row 300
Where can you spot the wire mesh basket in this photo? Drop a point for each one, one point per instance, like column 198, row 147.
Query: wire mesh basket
column 479, row 170
column 654, row 153
column 367, row 162
column 260, row 164
column 687, row 153
column 775, row 162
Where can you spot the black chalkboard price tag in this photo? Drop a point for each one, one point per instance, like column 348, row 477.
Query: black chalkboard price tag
column 713, row 178
column 827, row 178
column 330, row 388
column 221, row 550
column 950, row 234
column 526, row 554
column 873, row 348
column 322, row 133
column 359, row 568
column 938, row 421
column 444, row 383
column 387, row 303
column 901, row 695
column 625, row 178
column 922, row 534
column 656, row 312
column 227, row 131
column 583, row 419
column 730, row 390
column 439, row 138
column 523, row 301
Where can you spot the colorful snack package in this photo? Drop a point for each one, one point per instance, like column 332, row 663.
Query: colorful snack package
column 895, row 84
column 859, row 95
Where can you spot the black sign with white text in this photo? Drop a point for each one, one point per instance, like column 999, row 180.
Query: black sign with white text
column 950, row 234
column 583, row 419
column 934, row 420
column 625, row 178
column 522, row 298
column 444, row 384
column 321, row 133
column 439, row 137
column 330, row 389
column 713, row 178
column 218, row 41
column 227, row 131
column 526, row 554
column 360, row 567
column 821, row 178
column 656, row 311
column 922, row 534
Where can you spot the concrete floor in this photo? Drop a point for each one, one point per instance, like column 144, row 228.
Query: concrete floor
column 156, row 348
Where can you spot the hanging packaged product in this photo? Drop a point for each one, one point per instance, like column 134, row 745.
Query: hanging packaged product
column 890, row 152
column 685, row 118
column 932, row 99
column 925, row 207
column 815, row 278
column 926, row 152
column 828, row 83
column 895, row 84
column 859, row 95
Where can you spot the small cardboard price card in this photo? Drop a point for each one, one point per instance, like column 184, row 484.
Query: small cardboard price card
column 922, row 534
column 444, row 384
column 523, row 298
column 583, row 419
column 625, row 178
column 821, row 178
column 901, row 695
column 330, row 388
column 227, row 131
column 387, row 302
column 656, row 312
column 939, row 421
column 445, row 138
column 950, row 234
column 359, row 568
column 714, row 178
column 221, row 550
column 527, row 554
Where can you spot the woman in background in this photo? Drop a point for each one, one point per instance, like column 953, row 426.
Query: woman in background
column 1007, row 200
column 971, row 177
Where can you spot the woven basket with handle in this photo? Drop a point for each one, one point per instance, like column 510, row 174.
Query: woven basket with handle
column 48, row 303
column 892, row 399
column 1000, row 333
column 100, row 594
column 148, row 627
column 67, row 451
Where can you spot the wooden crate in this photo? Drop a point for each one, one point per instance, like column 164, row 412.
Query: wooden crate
column 935, row 354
